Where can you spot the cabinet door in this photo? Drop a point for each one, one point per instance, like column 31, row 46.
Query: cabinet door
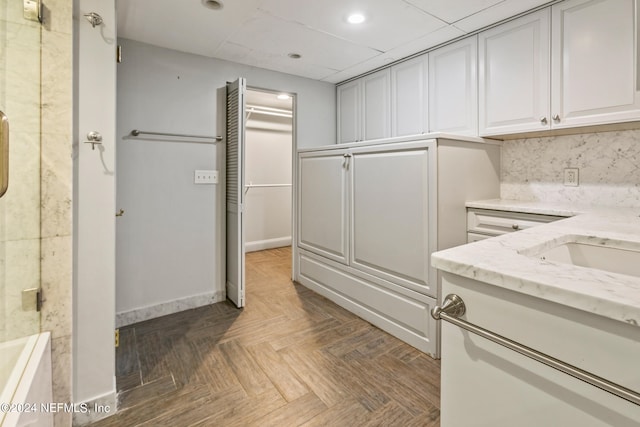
column 390, row 214
column 322, row 204
column 376, row 111
column 409, row 97
column 348, row 97
column 593, row 57
column 453, row 88
column 514, row 76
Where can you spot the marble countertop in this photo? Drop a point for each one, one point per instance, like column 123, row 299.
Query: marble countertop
column 542, row 208
column 503, row 261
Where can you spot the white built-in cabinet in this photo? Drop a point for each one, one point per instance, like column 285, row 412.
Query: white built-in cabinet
column 364, row 108
column 323, row 174
column 513, row 73
column 593, row 78
column 349, row 108
column 524, row 392
column 578, row 71
column 369, row 216
column 409, row 100
column 570, row 65
column 453, row 88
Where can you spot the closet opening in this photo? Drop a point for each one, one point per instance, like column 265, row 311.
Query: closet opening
column 269, row 154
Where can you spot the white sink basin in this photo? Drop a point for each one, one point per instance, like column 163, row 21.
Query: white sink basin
column 609, row 257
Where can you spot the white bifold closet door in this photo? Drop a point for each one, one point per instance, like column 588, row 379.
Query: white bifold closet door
column 235, row 282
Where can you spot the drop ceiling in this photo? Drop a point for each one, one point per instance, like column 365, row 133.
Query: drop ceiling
column 262, row 33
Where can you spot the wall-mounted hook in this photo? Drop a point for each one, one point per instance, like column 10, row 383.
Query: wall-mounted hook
column 93, row 139
column 93, row 18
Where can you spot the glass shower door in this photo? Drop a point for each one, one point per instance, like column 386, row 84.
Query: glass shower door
column 20, row 50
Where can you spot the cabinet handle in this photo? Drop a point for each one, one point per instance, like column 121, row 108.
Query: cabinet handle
column 4, row 153
column 556, row 118
column 453, row 307
column 347, row 158
column 515, row 226
column 543, row 120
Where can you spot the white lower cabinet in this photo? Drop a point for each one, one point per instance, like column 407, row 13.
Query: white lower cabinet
column 369, row 216
column 485, row 223
column 323, row 215
column 486, row 384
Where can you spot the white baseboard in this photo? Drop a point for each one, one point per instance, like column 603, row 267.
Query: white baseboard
column 260, row 245
column 96, row 409
column 151, row 312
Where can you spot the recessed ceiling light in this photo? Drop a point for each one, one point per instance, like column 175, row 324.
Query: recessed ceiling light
column 283, row 96
column 355, row 18
column 294, row 56
column 213, row 4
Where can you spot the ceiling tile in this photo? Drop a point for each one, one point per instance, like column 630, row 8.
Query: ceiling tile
column 435, row 38
column 499, row 12
column 282, row 63
column 361, row 68
column 389, row 23
column 270, row 35
column 453, row 10
column 182, row 25
column 440, row 36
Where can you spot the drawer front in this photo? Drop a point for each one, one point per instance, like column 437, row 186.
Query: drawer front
column 495, row 223
column 473, row 237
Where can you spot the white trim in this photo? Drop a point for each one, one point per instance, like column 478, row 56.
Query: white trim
column 151, row 312
column 107, row 402
column 260, row 245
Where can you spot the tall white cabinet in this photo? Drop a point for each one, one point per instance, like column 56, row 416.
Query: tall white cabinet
column 370, row 214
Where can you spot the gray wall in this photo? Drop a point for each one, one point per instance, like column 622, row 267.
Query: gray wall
column 167, row 242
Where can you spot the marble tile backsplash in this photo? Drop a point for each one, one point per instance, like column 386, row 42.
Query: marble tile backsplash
column 608, row 163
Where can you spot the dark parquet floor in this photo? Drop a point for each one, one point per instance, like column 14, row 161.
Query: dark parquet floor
column 289, row 358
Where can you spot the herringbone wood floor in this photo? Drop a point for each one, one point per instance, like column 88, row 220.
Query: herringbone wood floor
column 289, row 358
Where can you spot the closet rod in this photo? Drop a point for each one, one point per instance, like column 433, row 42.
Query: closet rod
column 249, row 186
column 267, row 185
column 137, row 132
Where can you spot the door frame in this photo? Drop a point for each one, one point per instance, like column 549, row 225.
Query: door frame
column 221, row 156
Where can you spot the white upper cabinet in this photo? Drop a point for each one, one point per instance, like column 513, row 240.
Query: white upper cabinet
column 348, row 96
column 409, row 97
column 453, row 88
column 594, row 71
column 376, row 105
column 364, row 108
column 589, row 53
column 513, row 76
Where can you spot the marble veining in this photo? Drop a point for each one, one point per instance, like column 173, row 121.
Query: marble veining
column 151, row 312
column 503, row 261
column 608, row 163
